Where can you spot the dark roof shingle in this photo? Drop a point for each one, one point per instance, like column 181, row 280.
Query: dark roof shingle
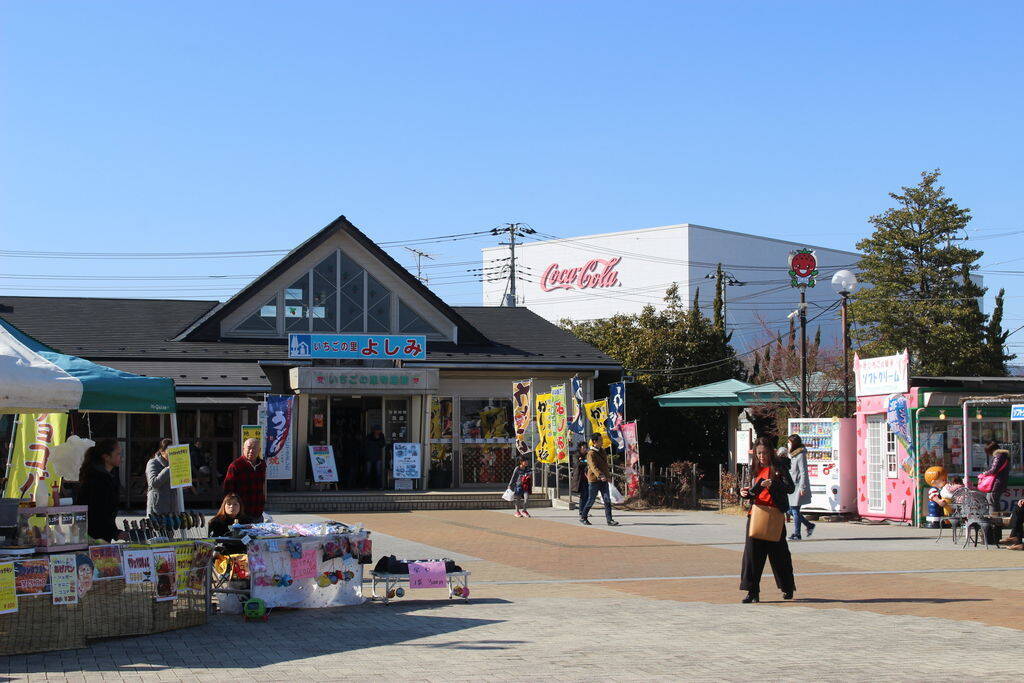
column 143, row 330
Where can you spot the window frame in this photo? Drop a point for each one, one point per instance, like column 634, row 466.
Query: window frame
column 395, row 304
column 891, row 454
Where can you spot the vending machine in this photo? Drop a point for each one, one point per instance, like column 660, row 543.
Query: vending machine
column 831, row 447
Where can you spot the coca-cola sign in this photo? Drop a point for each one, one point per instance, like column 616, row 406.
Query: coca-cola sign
column 596, row 273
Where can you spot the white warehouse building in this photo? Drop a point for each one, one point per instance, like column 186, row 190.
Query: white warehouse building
column 596, row 276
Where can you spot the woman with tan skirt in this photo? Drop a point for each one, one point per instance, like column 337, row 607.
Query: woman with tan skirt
column 768, row 493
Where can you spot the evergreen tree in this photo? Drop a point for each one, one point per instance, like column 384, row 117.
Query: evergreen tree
column 718, row 305
column 995, row 337
column 920, row 295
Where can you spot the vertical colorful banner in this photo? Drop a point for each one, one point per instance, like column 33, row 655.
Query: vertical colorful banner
column 897, row 416
column 632, row 460
column 278, row 436
column 616, row 413
column 37, row 433
column 542, row 412
column 522, row 413
column 597, row 415
column 560, row 423
column 629, row 436
column 578, row 422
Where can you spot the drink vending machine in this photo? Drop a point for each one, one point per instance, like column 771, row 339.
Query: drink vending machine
column 831, row 447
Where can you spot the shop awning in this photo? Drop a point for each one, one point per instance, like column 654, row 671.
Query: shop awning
column 36, row 379
column 718, row 394
column 786, row 390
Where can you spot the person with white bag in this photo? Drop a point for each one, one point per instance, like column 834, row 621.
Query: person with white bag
column 520, row 486
column 599, row 481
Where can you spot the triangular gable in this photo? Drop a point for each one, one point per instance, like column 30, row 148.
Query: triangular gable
column 411, row 305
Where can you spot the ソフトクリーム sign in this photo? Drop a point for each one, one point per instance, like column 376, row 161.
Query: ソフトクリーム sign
column 882, row 375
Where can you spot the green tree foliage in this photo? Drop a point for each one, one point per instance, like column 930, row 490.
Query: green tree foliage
column 921, row 296
column 649, row 345
column 995, row 337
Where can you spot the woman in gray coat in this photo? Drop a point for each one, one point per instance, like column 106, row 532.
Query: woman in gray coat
column 802, row 487
column 160, row 499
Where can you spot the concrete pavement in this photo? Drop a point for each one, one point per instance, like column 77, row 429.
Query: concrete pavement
column 656, row 598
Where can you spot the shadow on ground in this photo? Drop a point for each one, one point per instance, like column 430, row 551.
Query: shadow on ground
column 228, row 642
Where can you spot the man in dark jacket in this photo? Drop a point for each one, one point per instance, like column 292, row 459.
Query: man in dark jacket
column 598, row 476
column 373, row 457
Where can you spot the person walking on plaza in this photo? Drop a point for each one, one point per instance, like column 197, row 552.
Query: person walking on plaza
column 247, row 477
column 160, row 498
column 580, row 471
column 769, row 495
column 998, row 473
column 802, row 492
column 598, row 476
column 521, row 484
column 99, row 489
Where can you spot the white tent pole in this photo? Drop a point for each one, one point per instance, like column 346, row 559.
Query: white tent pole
column 174, row 440
column 10, row 449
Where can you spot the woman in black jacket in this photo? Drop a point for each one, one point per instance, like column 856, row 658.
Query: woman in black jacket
column 770, row 488
column 99, row 489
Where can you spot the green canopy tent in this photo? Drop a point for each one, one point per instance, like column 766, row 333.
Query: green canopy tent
column 35, row 378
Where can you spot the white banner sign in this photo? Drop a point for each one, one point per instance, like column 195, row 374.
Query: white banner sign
column 322, row 460
column 406, row 461
column 883, row 375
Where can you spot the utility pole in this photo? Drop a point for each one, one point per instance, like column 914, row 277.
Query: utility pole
column 844, row 282
column 803, row 269
column 803, row 352
column 724, row 280
column 513, row 230
column 420, row 255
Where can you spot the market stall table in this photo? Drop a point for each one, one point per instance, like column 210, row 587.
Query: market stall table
column 300, row 566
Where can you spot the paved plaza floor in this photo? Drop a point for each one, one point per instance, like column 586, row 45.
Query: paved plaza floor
column 655, row 598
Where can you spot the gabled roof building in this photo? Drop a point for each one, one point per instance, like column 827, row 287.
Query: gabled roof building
column 225, row 356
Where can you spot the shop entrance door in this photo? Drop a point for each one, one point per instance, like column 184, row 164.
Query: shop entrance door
column 876, row 462
column 359, row 455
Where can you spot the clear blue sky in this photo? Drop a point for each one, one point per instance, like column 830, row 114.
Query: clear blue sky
column 190, row 126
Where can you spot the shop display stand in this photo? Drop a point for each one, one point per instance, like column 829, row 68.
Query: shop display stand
column 456, row 580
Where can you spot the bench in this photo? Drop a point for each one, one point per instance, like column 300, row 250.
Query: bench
column 458, row 585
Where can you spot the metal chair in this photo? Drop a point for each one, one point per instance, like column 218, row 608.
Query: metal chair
column 974, row 509
column 956, row 517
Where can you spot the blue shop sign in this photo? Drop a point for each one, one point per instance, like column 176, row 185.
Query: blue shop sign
column 361, row 346
column 1017, row 412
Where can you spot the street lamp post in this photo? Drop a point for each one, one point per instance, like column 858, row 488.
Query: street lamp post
column 844, row 282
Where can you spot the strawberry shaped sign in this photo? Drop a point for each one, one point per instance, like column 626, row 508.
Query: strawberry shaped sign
column 803, row 268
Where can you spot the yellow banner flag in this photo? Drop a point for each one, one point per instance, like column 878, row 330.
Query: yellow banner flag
column 37, row 434
column 597, row 415
column 542, row 410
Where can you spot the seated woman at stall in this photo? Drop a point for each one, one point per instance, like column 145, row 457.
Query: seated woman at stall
column 230, row 512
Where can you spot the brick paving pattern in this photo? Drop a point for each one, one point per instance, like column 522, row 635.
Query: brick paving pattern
column 552, row 599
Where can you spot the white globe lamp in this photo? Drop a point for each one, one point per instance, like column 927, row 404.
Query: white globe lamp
column 844, row 282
